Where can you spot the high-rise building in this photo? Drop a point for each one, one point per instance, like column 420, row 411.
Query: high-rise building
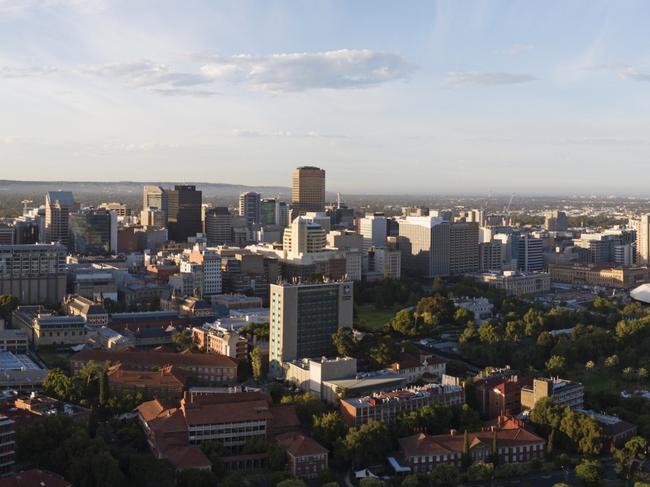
column 303, row 237
column 642, row 226
column 249, row 207
column 152, row 217
column 303, row 319
column 424, row 242
column 556, row 221
column 463, row 248
column 155, row 197
column 184, row 212
column 374, row 230
column 58, row 206
column 269, row 211
column 218, row 226
column 35, row 274
column 91, row 231
column 530, row 254
column 307, row 190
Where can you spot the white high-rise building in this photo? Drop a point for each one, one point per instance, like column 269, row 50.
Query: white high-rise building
column 374, row 230
column 642, row 226
column 303, row 237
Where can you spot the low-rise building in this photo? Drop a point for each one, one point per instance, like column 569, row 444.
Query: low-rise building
column 310, row 374
column 422, row 453
column 13, row 340
column 20, row 372
column 40, row 405
column 7, row 445
column 386, row 406
column 94, row 313
column 34, row 478
column 518, row 283
column 563, row 393
column 168, row 383
column 617, row 432
column 591, row 275
column 44, row 328
column 481, row 308
column 216, row 339
column 306, row 458
column 109, row 339
column 413, row 368
column 201, row 367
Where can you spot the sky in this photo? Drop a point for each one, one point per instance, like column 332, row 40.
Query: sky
column 418, row 97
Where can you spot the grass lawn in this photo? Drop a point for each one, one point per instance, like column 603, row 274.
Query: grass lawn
column 373, row 319
column 53, row 358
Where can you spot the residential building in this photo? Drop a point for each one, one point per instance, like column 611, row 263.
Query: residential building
column 387, row 406
column 307, row 190
column 422, row 452
column 303, row 319
column 562, row 392
column 184, row 212
column 35, row 274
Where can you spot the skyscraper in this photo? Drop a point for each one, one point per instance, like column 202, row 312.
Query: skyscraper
column 156, row 197
column 249, row 207
column 303, row 319
column 555, row 221
column 91, row 230
column 642, row 226
column 218, row 226
column 269, row 211
column 184, row 212
column 373, row 228
column 58, row 206
column 307, row 190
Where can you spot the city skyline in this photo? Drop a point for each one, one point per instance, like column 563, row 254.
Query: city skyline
column 471, row 98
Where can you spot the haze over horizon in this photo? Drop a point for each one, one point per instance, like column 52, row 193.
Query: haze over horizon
column 429, row 97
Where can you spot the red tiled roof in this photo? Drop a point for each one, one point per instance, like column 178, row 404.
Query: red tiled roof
column 232, row 412
column 34, row 478
column 425, row 444
column 299, row 445
column 128, row 358
column 186, row 457
column 167, row 376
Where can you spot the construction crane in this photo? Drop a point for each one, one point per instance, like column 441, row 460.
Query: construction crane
column 506, row 210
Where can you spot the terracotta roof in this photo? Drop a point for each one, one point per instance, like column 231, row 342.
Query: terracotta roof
column 427, row 444
column 167, row 376
column 186, row 457
column 34, row 478
column 232, row 412
column 284, row 417
column 406, row 361
column 129, row 358
column 150, row 409
column 299, row 445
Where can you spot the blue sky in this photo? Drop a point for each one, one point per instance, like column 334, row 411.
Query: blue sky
column 401, row 97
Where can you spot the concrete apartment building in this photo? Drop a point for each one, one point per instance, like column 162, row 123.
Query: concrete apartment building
column 303, row 319
column 35, row 274
column 562, row 392
column 307, row 190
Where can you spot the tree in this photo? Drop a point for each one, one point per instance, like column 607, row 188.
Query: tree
column 327, row 428
column 556, row 365
column 372, row 482
column 589, row 472
column 366, row 444
column 104, row 389
column 183, row 339
column 195, row 478
column 590, row 365
column 642, row 374
column 495, row 449
column 404, row 323
column 465, row 461
column 343, row 340
column 480, row 472
column 631, row 458
column 445, row 475
column 8, row 304
column 257, row 362
column 383, row 352
column 292, row 483
column 462, row 316
column 410, row 481
column 612, row 362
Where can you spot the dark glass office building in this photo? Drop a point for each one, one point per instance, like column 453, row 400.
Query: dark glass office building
column 90, row 232
column 184, row 212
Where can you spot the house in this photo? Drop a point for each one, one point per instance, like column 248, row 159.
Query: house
column 306, row 457
column 422, row 452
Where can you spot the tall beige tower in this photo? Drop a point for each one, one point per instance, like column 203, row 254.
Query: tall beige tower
column 643, row 239
column 307, row 190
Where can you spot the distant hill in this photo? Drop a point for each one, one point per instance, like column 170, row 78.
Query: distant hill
column 221, row 190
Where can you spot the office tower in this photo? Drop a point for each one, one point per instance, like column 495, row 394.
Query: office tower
column 490, row 256
column 218, row 226
column 152, row 217
column 7, row 234
column 303, row 319
column 184, row 212
column 156, row 197
column 319, row 218
column 424, row 242
column 555, row 221
column 303, row 237
column 642, row 226
column 530, row 253
column 35, row 274
column 120, row 209
column 58, row 206
column 307, row 190
column 282, row 214
column 463, row 248
column 91, row 230
column 249, row 207
column 374, row 230
column 269, row 211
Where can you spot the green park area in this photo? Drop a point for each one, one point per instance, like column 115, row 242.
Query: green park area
column 371, row 318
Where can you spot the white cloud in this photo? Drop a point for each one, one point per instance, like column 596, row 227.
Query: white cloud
column 623, row 71
column 291, row 72
column 9, row 72
column 146, row 73
column 184, row 92
column 473, row 78
column 517, row 49
column 20, row 7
